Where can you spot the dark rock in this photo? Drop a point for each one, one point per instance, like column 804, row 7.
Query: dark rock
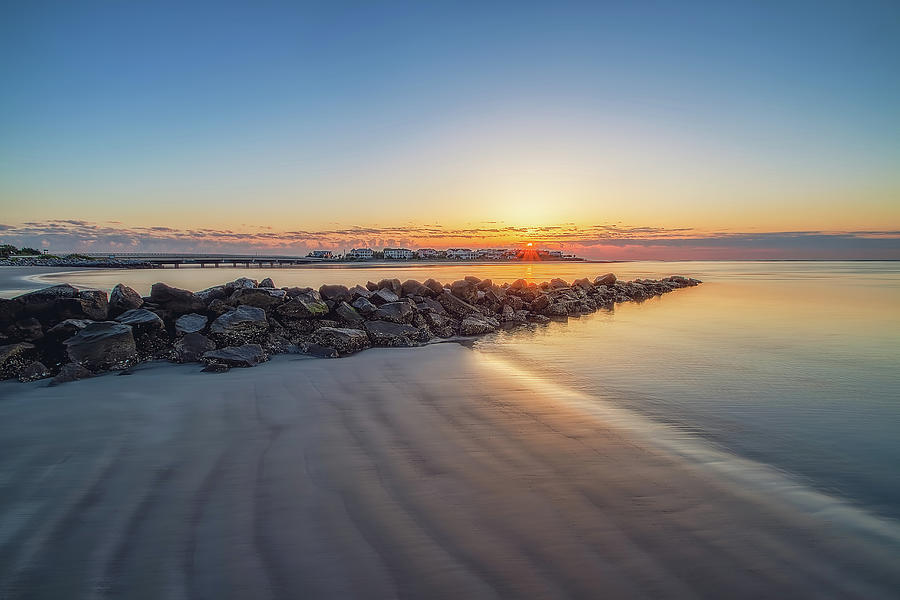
column 557, row 283
column 347, row 313
column 485, row 284
column 607, row 279
column 70, row 372
column 25, row 330
column 344, row 340
column 395, row 312
column 583, row 283
column 216, row 367
column 239, row 283
column 411, row 287
column 46, row 299
column 208, row 295
column 307, row 305
column 540, row 319
column 33, row 372
column 103, row 345
column 141, row 320
column 383, row 296
column 385, row 333
column 358, row 291
column 247, row 355
column 93, row 304
column 15, row 357
column 435, row 286
column 123, row 298
column 540, row 303
column 191, row 348
column 474, row 325
column 243, row 325
column 267, row 283
column 176, row 300
column 455, row 305
column 63, row 331
column 319, row 351
column 337, row 293
column 371, row 286
column 10, row 310
column 464, row 290
column 393, row 285
column 263, row 298
column 218, row 307
column 190, row 323
column 364, row 307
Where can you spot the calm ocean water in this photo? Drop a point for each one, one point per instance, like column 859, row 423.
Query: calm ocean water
column 791, row 364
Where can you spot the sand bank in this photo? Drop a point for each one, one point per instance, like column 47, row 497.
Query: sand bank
column 422, row 473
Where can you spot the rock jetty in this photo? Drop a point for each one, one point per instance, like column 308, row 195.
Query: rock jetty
column 68, row 334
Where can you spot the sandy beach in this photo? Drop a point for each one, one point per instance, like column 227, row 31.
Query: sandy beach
column 395, row 473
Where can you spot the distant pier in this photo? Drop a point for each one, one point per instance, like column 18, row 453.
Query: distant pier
column 176, row 260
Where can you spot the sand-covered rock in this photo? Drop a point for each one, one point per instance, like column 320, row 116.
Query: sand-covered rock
column 246, row 355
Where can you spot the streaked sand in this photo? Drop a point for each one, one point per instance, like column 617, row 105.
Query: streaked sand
column 419, row 473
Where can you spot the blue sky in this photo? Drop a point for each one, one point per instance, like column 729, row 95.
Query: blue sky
column 722, row 117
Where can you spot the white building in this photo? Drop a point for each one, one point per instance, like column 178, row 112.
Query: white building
column 461, row 254
column 398, row 253
column 320, row 254
column 427, row 253
column 490, row 253
column 361, row 253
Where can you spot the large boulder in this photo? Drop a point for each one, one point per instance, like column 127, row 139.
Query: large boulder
column 336, row 293
column 393, row 285
column 150, row 337
column 191, row 348
column 363, row 306
column 344, row 340
column 10, row 310
column 141, row 320
column 435, row 286
column 246, row 355
column 606, row 279
column 456, row 306
column 190, row 323
column 91, row 304
column 303, row 305
column 217, row 292
column 28, row 329
column 241, row 282
column 15, row 357
column 557, row 283
column 383, row 296
column 347, row 313
column 474, row 325
column 411, row 287
column 243, row 325
column 267, row 283
column 103, row 345
column 176, row 300
column 464, row 289
column 540, row 303
column 395, row 312
column 385, row 333
column 264, row 298
column 66, row 329
column 123, row 298
column 46, row 299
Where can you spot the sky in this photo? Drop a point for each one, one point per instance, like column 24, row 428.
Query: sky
column 610, row 129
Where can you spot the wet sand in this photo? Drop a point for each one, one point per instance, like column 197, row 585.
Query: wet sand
column 14, row 280
column 419, row 473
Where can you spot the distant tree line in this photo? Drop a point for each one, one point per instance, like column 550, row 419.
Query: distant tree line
column 7, row 250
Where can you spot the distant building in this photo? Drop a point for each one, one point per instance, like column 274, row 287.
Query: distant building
column 361, row 254
column 555, row 253
column 320, row 254
column 398, row 253
column 427, row 253
column 490, row 253
column 461, row 254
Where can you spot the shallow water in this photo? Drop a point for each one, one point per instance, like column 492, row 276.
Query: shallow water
column 792, row 364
